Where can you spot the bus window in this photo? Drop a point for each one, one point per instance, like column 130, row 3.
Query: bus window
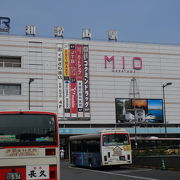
column 115, row 139
column 93, row 145
column 27, row 129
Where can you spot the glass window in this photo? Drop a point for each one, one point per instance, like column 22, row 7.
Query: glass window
column 115, row 139
column 93, row 145
column 10, row 61
column 76, row 146
column 27, row 129
column 10, row 89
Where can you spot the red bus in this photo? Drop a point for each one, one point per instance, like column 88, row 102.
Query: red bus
column 29, row 146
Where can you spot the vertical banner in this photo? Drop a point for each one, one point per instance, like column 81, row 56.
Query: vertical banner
column 86, row 80
column 66, row 82
column 73, row 85
column 60, row 79
column 80, row 100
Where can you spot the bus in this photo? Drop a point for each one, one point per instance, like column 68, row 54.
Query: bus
column 29, row 146
column 106, row 148
column 156, row 145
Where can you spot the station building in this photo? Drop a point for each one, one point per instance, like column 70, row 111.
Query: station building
column 93, row 85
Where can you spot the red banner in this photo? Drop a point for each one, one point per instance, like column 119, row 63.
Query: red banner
column 80, row 97
column 72, row 62
column 79, row 62
column 73, row 86
column 73, row 100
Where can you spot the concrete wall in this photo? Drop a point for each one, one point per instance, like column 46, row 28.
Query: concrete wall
column 160, row 64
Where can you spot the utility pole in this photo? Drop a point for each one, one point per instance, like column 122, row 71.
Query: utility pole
column 164, row 106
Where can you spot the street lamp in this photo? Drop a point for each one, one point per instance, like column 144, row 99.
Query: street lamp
column 30, row 81
column 164, row 105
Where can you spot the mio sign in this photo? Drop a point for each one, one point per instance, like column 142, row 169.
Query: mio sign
column 136, row 64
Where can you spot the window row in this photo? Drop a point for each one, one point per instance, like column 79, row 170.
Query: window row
column 10, row 61
column 86, row 145
column 10, row 89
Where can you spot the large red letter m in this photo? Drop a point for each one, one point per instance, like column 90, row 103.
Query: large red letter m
column 109, row 60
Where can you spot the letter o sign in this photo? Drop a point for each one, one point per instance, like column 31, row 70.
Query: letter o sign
column 137, row 63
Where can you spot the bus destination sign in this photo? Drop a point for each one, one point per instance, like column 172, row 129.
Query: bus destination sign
column 22, row 152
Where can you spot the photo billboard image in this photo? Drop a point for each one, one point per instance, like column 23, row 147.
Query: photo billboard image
column 139, row 110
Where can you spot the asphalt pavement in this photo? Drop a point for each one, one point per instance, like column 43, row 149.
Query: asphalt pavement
column 69, row 172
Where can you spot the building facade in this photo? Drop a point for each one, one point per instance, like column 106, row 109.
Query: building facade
column 93, row 84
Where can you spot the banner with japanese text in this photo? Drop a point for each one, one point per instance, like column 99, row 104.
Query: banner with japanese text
column 66, row 81
column 73, row 81
column 80, row 97
column 86, row 80
column 60, row 80
column 73, row 85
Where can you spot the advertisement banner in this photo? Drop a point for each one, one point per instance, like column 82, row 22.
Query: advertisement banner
column 139, row 110
column 73, row 86
column 60, row 79
column 79, row 62
column 73, row 100
column 80, row 99
column 66, row 62
column 86, row 80
column 72, row 63
column 66, row 81
column 67, row 98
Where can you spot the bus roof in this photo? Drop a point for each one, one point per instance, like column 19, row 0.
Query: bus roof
column 26, row 112
column 87, row 136
column 97, row 135
column 154, row 139
column 114, row 130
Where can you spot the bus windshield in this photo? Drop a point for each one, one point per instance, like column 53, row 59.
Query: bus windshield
column 115, row 139
column 27, row 129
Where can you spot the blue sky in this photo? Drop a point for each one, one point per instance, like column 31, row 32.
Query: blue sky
column 150, row 21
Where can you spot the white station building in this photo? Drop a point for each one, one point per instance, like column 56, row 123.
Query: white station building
column 93, row 84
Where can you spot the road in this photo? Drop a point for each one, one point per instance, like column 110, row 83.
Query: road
column 124, row 173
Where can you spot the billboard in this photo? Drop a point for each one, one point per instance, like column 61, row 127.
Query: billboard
column 139, row 110
column 73, row 81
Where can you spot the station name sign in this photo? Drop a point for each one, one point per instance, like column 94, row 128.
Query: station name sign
column 4, row 24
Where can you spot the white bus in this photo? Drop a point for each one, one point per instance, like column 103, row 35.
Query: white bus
column 29, row 146
column 106, row 148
